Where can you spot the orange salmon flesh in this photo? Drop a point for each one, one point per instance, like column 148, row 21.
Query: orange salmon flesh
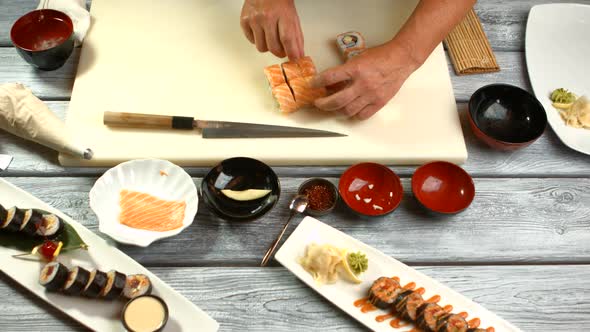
column 144, row 211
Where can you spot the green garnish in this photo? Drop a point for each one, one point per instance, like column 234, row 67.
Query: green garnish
column 562, row 96
column 358, row 262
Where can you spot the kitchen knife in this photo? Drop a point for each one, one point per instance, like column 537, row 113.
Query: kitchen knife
column 211, row 129
column 5, row 161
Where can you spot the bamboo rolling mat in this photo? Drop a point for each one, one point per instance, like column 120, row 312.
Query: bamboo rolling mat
column 470, row 49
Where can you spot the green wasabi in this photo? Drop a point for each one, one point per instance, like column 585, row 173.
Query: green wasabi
column 562, row 96
column 358, row 262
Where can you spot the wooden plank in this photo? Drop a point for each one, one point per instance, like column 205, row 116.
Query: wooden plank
column 510, row 220
column 263, row 299
column 547, row 157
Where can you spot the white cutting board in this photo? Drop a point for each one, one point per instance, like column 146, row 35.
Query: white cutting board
column 190, row 58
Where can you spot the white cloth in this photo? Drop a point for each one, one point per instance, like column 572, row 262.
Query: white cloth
column 26, row 116
column 76, row 10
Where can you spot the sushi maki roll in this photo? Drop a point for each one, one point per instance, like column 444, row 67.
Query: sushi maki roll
column 452, row 323
column 428, row 316
column 349, row 40
column 383, row 292
column 137, row 285
column 53, row 276
column 116, row 282
column 77, row 280
column 407, row 308
column 14, row 219
column 50, row 226
column 31, row 221
column 96, row 282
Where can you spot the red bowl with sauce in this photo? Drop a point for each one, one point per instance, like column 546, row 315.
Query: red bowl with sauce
column 443, row 187
column 370, row 189
column 44, row 38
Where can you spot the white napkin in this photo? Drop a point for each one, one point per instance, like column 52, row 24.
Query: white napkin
column 76, row 10
column 26, row 116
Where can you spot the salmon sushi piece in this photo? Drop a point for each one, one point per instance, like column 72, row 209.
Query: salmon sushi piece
column 144, row 211
column 284, row 98
column 291, row 71
column 306, row 66
column 304, row 94
column 274, row 75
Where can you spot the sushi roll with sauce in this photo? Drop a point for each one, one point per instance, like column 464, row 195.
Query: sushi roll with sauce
column 31, row 222
column 77, row 280
column 383, row 292
column 452, row 323
column 96, row 283
column 53, row 276
column 407, row 307
column 50, row 226
column 13, row 220
column 137, row 285
column 428, row 316
column 116, row 282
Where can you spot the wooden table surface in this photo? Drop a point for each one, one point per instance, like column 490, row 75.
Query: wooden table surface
column 522, row 249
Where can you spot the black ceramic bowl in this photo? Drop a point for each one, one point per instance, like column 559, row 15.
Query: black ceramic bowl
column 44, row 38
column 240, row 174
column 506, row 117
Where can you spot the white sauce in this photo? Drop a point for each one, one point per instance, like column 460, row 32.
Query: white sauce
column 144, row 314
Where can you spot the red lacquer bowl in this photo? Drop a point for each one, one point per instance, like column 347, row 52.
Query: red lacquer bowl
column 443, row 187
column 370, row 189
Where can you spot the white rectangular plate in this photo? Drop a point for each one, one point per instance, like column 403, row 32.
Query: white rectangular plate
column 95, row 314
column 343, row 294
column 557, row 56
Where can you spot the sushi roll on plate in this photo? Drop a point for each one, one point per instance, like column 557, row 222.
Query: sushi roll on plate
column 452, row 323
column 77, row 280
column 96, row 282
column 137, row 285
column 53, row 276
column 383, row 292
column 407, row 307
column 116, row 282
column 428, row 315
column 13, row 220
column 31, row 221
column 50, row 225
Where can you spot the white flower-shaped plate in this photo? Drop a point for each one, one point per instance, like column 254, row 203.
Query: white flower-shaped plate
column 159, row 178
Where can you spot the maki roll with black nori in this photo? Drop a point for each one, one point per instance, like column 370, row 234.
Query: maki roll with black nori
column 452, row 323
column 31, row 222
column 96, row 283
column 137, row 285
column 14, row 219
column 3, row 213
column 407, row 307
column 77, row 280
column 50, row 226
column 53, row 276
column 383, row 292
column 116, row 282
column 428, row 316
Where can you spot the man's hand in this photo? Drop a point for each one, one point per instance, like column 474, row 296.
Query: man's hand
column 369, row 81
column 273, row 25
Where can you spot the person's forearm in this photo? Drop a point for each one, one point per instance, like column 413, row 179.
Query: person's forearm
column 429, row 24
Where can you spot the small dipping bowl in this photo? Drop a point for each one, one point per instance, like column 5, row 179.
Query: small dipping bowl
column 240, row 174
column 146, row 313
column 506, row 117
column 316, row 189
column 443, row 187
column 44, row 38
column 370, row 189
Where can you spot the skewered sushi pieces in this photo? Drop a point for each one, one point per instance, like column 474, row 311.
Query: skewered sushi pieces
column 350, row 44
column 30, row 222
column 77, row 281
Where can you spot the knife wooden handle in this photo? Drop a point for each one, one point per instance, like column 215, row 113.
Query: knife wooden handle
column 137, row 120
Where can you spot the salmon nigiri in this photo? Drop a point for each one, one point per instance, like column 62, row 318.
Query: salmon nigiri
column 284, row 98
column 274, row 75
column 306, row 66
column 304, row 94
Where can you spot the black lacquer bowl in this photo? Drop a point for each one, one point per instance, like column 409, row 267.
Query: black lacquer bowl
column 240, row 174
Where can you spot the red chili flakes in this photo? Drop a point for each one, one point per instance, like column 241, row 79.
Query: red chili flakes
column 320, row 197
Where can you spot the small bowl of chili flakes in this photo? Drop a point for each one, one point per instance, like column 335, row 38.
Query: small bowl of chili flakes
column 321, row 194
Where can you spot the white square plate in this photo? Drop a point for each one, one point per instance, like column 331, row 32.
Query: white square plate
column 343, row 294
column 95, row 314
column 558, row 56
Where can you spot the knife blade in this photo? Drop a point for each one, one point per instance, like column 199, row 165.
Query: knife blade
column 5, row 161
column 211, row 129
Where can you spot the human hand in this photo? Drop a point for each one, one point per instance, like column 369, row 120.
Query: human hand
column 368, row 81
column 273, row 25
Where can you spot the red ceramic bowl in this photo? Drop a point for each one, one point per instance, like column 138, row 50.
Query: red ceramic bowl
column 370, row 189
column 506, row 117
column 443, row 187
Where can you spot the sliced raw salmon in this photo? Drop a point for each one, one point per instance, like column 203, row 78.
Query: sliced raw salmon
column 284, row 98
column 304, row 94
column 144, row 211
column 306, row 66
column 274, row 75
column 291, row 70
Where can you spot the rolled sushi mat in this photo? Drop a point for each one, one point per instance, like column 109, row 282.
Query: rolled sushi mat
column 470, row 49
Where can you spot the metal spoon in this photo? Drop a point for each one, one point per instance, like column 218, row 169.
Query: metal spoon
column 298, row 205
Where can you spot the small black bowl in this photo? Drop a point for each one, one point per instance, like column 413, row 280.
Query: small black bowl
column 240, row 174
column 323, row 182
column 506, row 117
column 44, row 38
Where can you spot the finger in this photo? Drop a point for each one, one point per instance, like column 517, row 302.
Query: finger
column 273, row 42
column 368, row 112
column 354, row 107
column 288, row 40
column 331, row 77
column 300, row 39
column 259, row 38
column 247, row 30
column 337, row 100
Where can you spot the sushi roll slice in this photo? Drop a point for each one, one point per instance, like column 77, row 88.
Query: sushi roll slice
column 383, row 292
column 50, row 226
column 137, row 285
column 53, row 276
column 77, row 280
column 291, row 71
column 407, row 308
column 428, row 315
column 96, row 282
column 306, row 67
column 116, row 282
column 14, row 219
column 284, row 98
column 452, row 323
column 31, row 222
column 304, row 94
column 274, row 75
column 350, row 39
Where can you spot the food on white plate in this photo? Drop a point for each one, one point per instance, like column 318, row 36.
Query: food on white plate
column 327, row 263
column 143, row 211
column 30, row 222
column 145, row 313
column 56, row 277
column 245, row 195
column 574, row 111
